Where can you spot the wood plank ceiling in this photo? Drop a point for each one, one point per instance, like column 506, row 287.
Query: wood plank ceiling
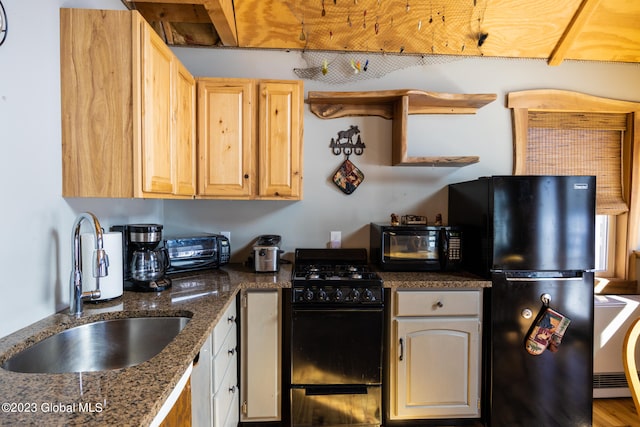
column 593, row 30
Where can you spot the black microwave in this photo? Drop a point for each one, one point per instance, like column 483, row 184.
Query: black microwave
column 415, row 247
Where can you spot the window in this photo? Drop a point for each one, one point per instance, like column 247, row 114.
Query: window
column 568, row 133
column 605, row 245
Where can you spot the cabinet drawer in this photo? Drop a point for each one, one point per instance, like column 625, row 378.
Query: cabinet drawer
column 223, row 399
column 223, row 358
column 437, row 303
column 233, row 418
column 225, row 324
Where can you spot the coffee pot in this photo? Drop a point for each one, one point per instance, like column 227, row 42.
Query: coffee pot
column 146, row 262
column 149, row 265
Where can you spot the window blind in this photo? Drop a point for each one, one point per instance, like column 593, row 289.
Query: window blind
column 570, row 143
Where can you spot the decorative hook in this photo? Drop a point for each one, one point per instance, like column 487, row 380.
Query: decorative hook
column 345, row 145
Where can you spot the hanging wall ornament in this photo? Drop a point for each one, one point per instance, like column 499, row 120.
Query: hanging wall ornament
column 3, row 24
column 348, row 177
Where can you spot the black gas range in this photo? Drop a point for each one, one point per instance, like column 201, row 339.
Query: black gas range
column 336, row 339
column 335, row 277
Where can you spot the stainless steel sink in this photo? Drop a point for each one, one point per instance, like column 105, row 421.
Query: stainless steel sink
column 99, row 346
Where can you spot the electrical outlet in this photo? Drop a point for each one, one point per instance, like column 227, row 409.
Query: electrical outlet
column 336, row 239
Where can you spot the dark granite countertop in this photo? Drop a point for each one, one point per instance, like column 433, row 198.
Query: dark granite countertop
column 133, row 396
column 426, row 280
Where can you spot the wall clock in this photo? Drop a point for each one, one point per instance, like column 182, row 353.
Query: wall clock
column 3, row 24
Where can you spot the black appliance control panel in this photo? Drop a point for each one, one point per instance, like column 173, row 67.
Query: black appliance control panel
column 355, row 294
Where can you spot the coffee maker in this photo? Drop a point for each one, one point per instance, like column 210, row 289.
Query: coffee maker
column 145, row 261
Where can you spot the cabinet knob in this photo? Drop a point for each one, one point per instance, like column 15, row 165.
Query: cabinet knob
column 246, row 176
column 231, row 319
column 231, row 351
column 232, row 389
column 438, row 304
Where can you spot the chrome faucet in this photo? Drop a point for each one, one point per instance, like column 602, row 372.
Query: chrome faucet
column 100, row 263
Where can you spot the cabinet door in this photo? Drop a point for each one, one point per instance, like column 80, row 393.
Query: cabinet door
column 436, row 367
column 98, row 50
column 156, row 154
column 201, row 388
column 280, row 139
column 225, row 137
column 184, row 131
column 260, row 355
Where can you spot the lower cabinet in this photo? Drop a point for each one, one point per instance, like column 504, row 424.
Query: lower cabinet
column 435, row 354
column 261, row 355
column 176, row 409
column 180, row 413
column 214, row 381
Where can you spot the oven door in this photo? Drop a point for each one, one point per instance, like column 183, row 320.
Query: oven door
column 338, row 406
column 336, row 346
column 336, row 366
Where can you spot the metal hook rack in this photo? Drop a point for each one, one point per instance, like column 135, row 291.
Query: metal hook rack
column 345, row 145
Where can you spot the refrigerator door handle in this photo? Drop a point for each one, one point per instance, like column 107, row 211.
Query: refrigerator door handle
column 544, row 279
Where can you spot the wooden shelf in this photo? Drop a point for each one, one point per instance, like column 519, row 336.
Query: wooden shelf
column 397, row 105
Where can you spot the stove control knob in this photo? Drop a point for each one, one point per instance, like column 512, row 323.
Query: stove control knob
column 367, row 295
column 322, row 295
column 307, row 295
column 355, row 295
column 337, row 295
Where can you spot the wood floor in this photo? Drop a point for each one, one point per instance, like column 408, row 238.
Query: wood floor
column 618, row 412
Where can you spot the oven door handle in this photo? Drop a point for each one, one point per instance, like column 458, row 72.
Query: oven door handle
column 335, row 390
column 401, row 349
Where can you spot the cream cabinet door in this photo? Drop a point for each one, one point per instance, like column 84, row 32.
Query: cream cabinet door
column 226, row 135
column 156, row 151
column 260, row 370
column 436, row 368
column 201, row 387
column 280, row 139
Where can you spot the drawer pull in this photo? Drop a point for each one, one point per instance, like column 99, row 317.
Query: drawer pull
column 401, row 349
column 438, row 304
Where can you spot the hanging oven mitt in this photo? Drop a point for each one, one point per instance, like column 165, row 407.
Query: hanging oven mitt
column 348, row 177
column 547, row 332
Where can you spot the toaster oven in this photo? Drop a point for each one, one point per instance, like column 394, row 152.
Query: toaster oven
column 197, row 252
column 415, row 247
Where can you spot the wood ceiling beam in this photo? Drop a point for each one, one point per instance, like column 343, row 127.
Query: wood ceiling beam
column 582, row 15
column 221, row 14
column 195, row 14
column 223, row 17
column 182, row 2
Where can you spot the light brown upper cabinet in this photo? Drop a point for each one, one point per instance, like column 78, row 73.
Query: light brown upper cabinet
column 128, row 109
column 185, row 132
column 250, row 138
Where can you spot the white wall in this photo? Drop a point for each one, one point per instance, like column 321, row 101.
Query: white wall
column 386, row 189
column 35, row 221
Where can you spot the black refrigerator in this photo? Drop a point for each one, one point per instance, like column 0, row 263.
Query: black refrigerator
column 533, row 236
